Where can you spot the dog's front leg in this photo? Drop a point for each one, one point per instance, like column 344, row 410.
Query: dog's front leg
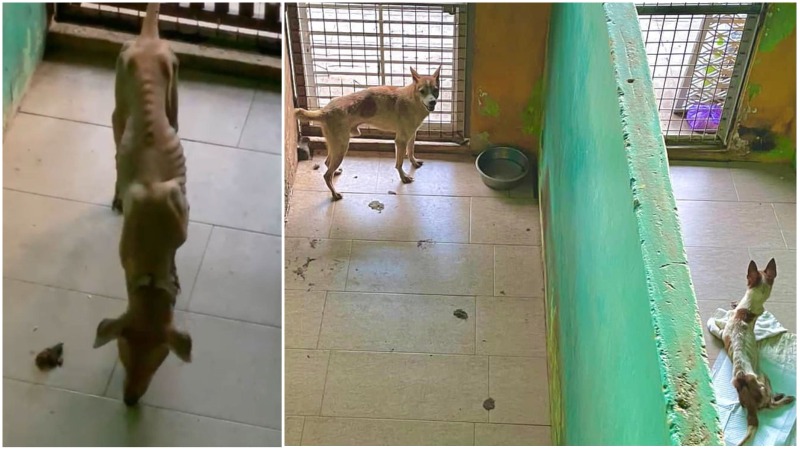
column 400, row 145
column 410, row 152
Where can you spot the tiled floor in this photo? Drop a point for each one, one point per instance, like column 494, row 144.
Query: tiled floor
column 732, row 213
column 62, row 273
column 375, row 353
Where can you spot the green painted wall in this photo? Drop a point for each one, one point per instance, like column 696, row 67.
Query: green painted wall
column 624, row 339
column 24, row 31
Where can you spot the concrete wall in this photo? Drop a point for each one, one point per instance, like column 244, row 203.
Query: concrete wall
column 507, row 68
column 767, row 124
column 625, row 348
column 24, row 31
column 290, row 131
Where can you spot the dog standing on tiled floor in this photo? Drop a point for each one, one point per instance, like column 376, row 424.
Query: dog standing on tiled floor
column 150, row 191
column 389, row 108
column 753, row 386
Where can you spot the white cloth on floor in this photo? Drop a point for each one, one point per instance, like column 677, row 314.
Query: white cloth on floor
column 778, row 359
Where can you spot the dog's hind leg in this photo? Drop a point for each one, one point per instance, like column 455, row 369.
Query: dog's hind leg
column 328, row 164
column 410, row 152
column 400, row 145
column 337, row 148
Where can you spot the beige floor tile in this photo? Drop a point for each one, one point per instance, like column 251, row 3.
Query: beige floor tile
column 73, row 90
column 518, row 271
column 498, row 434
column 294, row 430
column 359, row 174
column 746, row 224
column 36, row 317
column 702, row 181
column 406, row 386
column 235, row 373
column 718, row 273
column 214, row 108
column 520, row 390
column 240, row 277
column 787, row 219
column 305, row 381
column 303, row 318
column 420, row 268
column 75, row 246
column 453, row 175
column 316, row 264
column 310, row 214
column 527, row 189
column 764, row 182
column 785, row 287
column 331, row 431
column 59, row 158
column 505, row 221
column 234, row 188
column 706, row 309
column 398, row 322
column 511, row 326
column 402, row 218
column 39, row 416
column 262, row 130
column 786, row 313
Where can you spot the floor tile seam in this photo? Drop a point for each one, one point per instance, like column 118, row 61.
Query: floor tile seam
column 532, row 298
column 200, row 266
column 321, row 320
column 403, row 194
column 111, row 297
column 729, row 247
column 778, row 220
column 163, row 408
column 108, row 205
column 325, row 381
column 733, row 201
column 246, row 118
column 544, row 356
column 198, row 141
column 415, row 241
column 392, row 419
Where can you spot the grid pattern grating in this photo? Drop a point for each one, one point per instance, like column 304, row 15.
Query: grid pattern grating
column 698, row 54
column 338, row 49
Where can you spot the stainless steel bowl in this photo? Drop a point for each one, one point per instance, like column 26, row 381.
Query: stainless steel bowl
column 502, row 168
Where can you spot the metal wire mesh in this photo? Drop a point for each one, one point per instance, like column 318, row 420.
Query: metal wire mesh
column 697, row 63
column 246, row 24
column 346, row 47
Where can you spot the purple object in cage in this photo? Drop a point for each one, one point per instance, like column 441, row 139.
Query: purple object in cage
column 704, row 117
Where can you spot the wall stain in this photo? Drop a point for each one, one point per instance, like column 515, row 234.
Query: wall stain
column 532, row 114
column 487, row 106
column 779, row 24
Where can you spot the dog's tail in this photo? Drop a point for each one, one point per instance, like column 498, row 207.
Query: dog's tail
column 150, row 24
column 304, row 114
column 752, row 425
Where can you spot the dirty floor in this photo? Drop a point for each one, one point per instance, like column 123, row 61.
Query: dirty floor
column 61, row 271
column 731, row 213
column 415, row 318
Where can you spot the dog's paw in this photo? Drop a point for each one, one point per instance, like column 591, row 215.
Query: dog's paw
column 116, row 205
column 337, row 196
column 406, row 179
column 417, row 164
column 337, row 172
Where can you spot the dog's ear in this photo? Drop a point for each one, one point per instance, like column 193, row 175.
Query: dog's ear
column 108, row 330
column 180, row 343
column 771, row 271
column 414, row 75
column 436, row 74
column 753, row 275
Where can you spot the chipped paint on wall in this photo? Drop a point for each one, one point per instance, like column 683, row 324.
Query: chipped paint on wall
column 487, row 106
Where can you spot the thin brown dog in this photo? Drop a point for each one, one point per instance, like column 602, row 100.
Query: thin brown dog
column 389, row 108
column 150, row 191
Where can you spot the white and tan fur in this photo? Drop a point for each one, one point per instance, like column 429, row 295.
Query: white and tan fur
column 753, row 386
column 150, row 192
column 398, row 109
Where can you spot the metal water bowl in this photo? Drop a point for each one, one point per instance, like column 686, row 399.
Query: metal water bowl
column 502, row 168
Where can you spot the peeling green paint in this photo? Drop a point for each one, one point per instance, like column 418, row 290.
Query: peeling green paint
column 629, row 354
column 753, row 90
column 24, row 29
column 781, row 20
column 487, row 105
column 532, row 114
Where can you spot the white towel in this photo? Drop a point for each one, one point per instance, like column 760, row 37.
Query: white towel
column 778, row 356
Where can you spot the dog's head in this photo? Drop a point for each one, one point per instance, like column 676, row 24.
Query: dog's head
column 760, row 282
column 427, row 87
column 145, row 335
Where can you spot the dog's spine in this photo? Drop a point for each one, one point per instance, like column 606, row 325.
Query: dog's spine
column 301, row 113
column 150, row 24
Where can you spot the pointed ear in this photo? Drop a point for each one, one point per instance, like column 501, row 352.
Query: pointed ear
column 753, row 275
column 181, row 344
column 414, row 75
column 436, row 74
column 108, row 330
column 771, row 271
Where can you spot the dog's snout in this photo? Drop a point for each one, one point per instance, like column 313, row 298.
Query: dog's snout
column 431, row 105
column 131, row 400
